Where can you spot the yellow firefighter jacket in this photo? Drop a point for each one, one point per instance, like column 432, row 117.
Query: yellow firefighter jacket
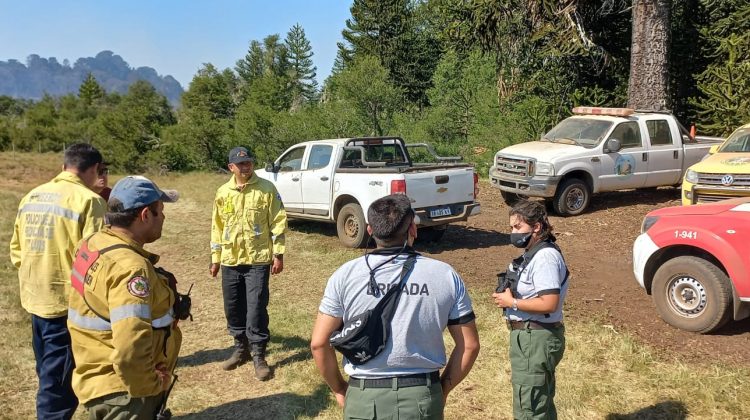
column 51, row 220
column 248, row 223
column 120, row 353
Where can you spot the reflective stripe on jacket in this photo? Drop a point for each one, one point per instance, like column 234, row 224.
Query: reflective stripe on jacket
column 248, row 225
column 120, row 353
column 51, row 220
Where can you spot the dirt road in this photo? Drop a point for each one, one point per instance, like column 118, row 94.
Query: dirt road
column 598, row 249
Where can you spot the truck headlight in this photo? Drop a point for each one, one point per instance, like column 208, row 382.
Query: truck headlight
column 546, row 169
column 691, row 176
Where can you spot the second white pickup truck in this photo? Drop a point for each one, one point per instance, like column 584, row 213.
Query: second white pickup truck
column 598, row 150
column 337, row 180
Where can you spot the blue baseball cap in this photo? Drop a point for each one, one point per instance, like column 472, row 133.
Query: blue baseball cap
column 135, row 191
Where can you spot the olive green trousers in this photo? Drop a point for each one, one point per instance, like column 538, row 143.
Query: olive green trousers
column 122, row 406
column 414, row 402
column 534, row 355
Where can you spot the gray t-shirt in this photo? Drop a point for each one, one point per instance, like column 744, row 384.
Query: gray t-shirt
column 544, row 274
column 433, row 296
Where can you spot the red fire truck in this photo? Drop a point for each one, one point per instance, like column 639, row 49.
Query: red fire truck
column 695, row 262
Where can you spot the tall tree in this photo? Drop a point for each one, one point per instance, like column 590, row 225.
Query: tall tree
column 90, row 90
column 648, row 86
column 396, row 32
column 304, row 87
column 264, row 73
column 366, row 86
column 724, row 102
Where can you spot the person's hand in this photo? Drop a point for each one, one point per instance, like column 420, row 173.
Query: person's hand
column 341, row 396
column 214, row 269
column 278, row 265
column 165, row 379
column 504, row 299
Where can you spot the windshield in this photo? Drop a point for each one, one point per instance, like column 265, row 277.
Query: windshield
column 739, row 141
column 581, row 131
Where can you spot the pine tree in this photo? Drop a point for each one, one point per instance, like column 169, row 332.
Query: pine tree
column 396, row 33
column 302, row 71
column 725, row 84
column 90, row 90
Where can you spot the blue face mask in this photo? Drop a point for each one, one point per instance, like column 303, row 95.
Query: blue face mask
column 520, row 240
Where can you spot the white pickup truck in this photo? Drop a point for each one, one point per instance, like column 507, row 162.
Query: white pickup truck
column 337, row 180
column 598, row 150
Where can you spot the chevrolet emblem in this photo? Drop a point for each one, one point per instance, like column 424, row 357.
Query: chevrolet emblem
column 442, row 189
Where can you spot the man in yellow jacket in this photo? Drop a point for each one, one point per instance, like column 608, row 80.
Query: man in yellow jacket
column 51, row 220
column 247, row 242
column 121, row 318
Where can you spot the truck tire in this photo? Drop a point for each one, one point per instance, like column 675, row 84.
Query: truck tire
column 510, row 198
column 431, row 233
column 351, row 226
column 572, row 197
column 692, row 294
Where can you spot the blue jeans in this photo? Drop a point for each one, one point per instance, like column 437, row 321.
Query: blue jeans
column 54, row 368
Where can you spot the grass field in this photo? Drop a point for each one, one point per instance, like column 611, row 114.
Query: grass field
column 604, row 374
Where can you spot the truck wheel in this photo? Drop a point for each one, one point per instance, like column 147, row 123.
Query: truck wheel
column 572, row 197
column 431, row 233
column 351, row 226
column 692, row 294
column 510, row 198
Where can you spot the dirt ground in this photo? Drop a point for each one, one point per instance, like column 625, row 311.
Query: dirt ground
column 598, row 249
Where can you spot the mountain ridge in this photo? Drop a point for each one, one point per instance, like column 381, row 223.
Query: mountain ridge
column 40, row 76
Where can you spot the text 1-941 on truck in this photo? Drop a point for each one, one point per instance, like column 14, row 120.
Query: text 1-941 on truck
column 598, row 150
column 337, row 180
column 695, row 262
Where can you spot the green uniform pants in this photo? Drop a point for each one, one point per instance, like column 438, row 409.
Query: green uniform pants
column 414, row 402
column 534, row 354
column 122, row 406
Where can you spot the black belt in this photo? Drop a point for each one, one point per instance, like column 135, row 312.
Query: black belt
column 405, row 381
column 533, row 325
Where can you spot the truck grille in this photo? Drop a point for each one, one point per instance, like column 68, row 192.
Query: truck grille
column 717, row 179
column 513, row 167
column 716, row 194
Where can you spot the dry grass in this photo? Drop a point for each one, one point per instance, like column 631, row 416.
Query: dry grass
column 605, row 374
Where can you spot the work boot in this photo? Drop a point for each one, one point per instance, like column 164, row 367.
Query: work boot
column 262, row 371
column 239, row 357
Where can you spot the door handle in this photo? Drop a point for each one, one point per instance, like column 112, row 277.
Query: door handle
column 324, row 178
column 676, row 154
column 645, row 157
column 295, row 179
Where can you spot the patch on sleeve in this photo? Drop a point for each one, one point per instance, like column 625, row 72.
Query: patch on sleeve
column 138, row 287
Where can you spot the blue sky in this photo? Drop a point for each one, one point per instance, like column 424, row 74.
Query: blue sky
column 174, row 37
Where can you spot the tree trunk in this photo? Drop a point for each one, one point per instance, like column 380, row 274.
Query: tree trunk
column 648, row 87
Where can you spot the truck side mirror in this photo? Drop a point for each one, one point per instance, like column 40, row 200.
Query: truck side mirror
column 271, row 168
column 613, row 145
column 714, row 149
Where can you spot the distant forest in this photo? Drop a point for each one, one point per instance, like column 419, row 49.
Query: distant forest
column 40, row 76
column 469, row 77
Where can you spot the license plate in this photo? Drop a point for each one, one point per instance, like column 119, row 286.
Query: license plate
column 443, row 211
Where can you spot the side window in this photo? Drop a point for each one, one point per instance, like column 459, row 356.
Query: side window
column 320, row 156
column 292, row 161
column 628, row 134
column 658, row 131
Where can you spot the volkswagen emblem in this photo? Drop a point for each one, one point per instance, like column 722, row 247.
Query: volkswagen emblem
column 727, row 180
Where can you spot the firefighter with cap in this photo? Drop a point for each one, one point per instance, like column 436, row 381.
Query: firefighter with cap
column 121, row 319
column 247, row 243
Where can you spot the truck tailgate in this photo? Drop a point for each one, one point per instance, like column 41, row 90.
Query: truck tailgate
column 440, row 187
